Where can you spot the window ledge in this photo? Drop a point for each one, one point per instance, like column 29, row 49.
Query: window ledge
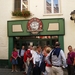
column 21, row 17
column 58, row 14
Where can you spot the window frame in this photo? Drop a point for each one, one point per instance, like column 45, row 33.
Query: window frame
column 59, row 5
column 19, row 6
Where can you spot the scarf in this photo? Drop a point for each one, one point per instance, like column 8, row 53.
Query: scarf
column 56, row 51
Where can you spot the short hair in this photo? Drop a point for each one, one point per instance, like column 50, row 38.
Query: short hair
column 29, row 46
column 69, row 46
column 34, row 48
column 57, row 44
column 38, row 46
column 48, row 49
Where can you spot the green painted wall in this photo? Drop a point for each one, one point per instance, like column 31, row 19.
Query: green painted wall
column 3, row 63
column 45, row 31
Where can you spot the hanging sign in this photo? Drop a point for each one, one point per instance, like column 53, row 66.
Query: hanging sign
column 34, row 25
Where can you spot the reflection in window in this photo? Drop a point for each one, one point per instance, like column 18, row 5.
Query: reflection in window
column 55, row 6
column 21, row 5
column 48, row 6
column 52, row 6
column 24, row 4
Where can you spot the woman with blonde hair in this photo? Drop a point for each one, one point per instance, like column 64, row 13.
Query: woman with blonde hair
column 47, row 61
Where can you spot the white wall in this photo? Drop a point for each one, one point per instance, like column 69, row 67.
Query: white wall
column 5, row 13
column 37, row 9
column 67, row 8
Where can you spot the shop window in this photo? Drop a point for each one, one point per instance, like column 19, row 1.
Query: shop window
column 20, row 5
column 35, row 40
column 52, row 6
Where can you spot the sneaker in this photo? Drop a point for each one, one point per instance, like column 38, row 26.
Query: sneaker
column 12, row 71
column 16, row 71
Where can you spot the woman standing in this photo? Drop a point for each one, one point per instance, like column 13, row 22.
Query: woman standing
column 14, row 60
column 37, row 59
column 47, row 61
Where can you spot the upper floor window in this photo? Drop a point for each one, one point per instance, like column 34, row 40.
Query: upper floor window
column 52, row 6
column 21, row 5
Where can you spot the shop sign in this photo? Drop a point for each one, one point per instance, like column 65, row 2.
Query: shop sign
column 34, row 26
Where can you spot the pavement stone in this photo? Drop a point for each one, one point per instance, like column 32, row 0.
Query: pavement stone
column 5, row 71
column 65, row 72
column 8, row 72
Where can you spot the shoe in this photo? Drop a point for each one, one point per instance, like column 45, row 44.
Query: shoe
column 24, row 73
column 12, row 71
column 16, row 71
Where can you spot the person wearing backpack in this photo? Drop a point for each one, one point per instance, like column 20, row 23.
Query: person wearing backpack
column 57, row 59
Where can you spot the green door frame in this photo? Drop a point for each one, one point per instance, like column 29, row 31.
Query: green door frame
column 61, row 40
column 10, row 47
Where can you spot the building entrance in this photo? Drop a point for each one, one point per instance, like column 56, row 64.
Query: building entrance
column 34, row 40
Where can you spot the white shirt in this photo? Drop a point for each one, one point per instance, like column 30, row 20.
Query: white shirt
column 22, row 52
column 33, row 53
column 60, row 60
column 47, row 60
column 37, row 58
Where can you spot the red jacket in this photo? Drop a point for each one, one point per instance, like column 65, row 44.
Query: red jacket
column 27, row 54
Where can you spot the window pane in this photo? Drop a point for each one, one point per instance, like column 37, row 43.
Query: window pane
column 17, row 5
column 24, row 4
column 48, row 6
column 56, row 6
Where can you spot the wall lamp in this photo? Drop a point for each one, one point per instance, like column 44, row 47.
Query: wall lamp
column 72, row 15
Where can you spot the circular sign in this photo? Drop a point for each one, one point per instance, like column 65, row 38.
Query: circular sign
column 34, row 25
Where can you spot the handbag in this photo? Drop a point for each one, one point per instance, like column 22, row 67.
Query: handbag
column 11, row 59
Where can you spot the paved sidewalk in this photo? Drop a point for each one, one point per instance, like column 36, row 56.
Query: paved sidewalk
column 5, row 71
column 65, row 72
column 8, row 72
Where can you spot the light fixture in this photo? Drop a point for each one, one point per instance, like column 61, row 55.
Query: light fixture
column 72, row 15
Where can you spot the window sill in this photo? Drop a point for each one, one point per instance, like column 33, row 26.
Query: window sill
column 19, row 18
column 59, row 14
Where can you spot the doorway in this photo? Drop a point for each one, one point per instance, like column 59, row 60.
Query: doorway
column 34, row 41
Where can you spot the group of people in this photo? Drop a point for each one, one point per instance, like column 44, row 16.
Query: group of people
column 43, row 61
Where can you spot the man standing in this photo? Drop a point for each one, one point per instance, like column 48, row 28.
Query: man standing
column 58, row 60
column 21, row 55
column 71, row 61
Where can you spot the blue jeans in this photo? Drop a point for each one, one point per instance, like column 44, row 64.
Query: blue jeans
column 14, row 62
column 30, row 68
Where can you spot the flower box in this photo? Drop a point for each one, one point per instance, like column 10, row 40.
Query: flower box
column 24, row 13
